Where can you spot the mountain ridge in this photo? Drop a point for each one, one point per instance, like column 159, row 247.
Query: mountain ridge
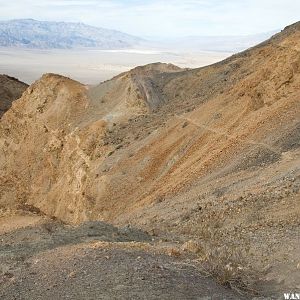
column 10, row 89
column 30, row 33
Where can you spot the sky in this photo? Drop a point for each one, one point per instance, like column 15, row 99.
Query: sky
column 158, row 18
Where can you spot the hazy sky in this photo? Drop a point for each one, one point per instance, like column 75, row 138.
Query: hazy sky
column 163, row 18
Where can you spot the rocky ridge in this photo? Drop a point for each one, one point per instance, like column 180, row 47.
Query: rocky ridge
column 10, row 89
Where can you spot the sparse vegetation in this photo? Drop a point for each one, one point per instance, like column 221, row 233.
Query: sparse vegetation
column 227, row 266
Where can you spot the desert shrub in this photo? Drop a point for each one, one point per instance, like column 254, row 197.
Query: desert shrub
column 226, row 265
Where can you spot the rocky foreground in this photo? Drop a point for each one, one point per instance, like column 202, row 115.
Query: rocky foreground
column 204, row 162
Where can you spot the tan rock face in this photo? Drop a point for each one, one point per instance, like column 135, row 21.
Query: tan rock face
column 44, row 123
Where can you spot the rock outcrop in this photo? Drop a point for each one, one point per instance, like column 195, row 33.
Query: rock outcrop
column 10, row 90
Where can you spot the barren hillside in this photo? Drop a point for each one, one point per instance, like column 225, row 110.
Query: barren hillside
column 209, row 155
column 10, row 89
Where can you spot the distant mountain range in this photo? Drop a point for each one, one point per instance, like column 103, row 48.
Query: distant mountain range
column 30, row 33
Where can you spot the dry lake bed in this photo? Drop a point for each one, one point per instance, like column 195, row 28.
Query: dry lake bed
column 92, row 66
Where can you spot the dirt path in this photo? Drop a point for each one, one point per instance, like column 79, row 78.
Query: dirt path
column 223, row 133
